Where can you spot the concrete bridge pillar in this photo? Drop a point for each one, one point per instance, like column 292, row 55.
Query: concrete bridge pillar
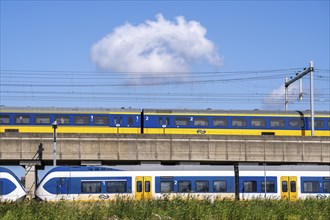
column 30, row 178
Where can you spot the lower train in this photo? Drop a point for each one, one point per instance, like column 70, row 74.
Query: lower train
column 145, row 182
column 11, row 188
column 163, row 121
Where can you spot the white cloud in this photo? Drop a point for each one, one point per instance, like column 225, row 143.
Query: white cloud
column 276, row 99
column 160, row 47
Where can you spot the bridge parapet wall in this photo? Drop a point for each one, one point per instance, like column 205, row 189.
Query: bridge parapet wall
column 192, row 148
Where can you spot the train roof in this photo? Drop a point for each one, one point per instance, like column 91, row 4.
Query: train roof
column 285, row 168
column 150, row 167
column 158, row 167
column 232, row 112
column 77, row 168
column 66, row 110
column 82, row 168
column 155, row 111
column 6, row 170
column 147, row 167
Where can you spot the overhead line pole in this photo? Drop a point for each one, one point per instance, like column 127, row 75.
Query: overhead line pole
column 54, row 125
column 312, row 95
column 299, row 76
column 286, row 94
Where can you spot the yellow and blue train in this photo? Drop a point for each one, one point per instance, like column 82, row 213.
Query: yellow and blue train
column 163, row 121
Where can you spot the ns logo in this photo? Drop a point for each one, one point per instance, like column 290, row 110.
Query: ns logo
column 200, row 131
column 102, row 196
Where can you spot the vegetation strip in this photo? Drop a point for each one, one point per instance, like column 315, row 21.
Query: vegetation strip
column 176, row 208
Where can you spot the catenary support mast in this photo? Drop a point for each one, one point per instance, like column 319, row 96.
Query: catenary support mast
column 299, row 76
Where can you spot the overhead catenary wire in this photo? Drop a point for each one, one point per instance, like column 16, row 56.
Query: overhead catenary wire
column 157, row 81
column 91, row 75
column 34, row 85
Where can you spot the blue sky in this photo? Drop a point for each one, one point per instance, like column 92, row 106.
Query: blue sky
column 168, row 54
column 245, row 49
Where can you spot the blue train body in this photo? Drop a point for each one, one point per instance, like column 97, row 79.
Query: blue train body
column 211, row 182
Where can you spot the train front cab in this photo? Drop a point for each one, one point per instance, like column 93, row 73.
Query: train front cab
column 289, row 188
column 143, row 187
column 10, row 187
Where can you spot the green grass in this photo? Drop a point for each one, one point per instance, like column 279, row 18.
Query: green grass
column 168, row 209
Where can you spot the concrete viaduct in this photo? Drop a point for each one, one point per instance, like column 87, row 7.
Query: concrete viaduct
column 113, row 149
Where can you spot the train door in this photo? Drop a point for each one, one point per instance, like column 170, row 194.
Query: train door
column 118, row 123
column 63, row 186
column 143, row 189
column 163, row 122
column 289, row 188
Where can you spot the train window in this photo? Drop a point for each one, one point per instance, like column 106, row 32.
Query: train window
column 139, row 186
column 160, row 121
column 296, row 123
column 238, row 122
column 250, row 186
column 167, row 121
column 116, row 187
column 326, row 187
column 62, row 120
column 202, row 186
column 4, row 119
column 130, row 120
column 284, row 186
column 328, row 123
column 221, row 122
column 277, row 123
column 62, row 181
column 22, row 119
column 220, row 186
column 101, row 120
column 181, row 121
column 147, row 186
column 317, row 123
column 293, row 186
column 184, row 186
column 311, row 187
column 258, row 122
column 270, row 186
column 166, row 186
column 91, row 187
column 42, row 120
column 81, row 120
column 201, row 122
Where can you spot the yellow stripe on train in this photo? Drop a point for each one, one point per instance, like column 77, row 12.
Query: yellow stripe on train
column 134, row 130
column 234, row 131
column 71, row 129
